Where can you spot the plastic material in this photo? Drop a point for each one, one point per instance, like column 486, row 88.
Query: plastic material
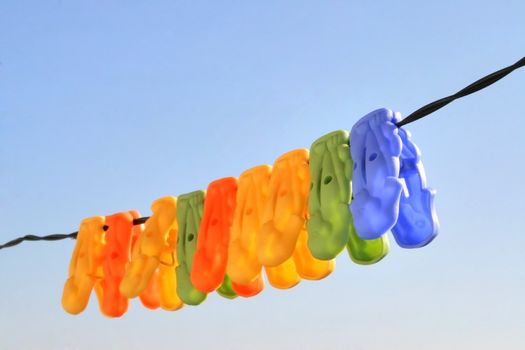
column 417, row 224
column 330, row 221
column 248, row 289
column 308, row 267
column 226, row 289
column 189, row 215
column 283, row 276
column 390, row 183
column 156, row 250
column 209, row 262
column 85, row 268
column 330, row 226
column 375, row 147
column 116, row 255
column 243, row 267
column 285, row 212
column 149, row 297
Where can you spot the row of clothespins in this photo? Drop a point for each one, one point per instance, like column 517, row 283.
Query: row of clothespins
column 291, row 220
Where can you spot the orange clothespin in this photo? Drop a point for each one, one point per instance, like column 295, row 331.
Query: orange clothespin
column 284, row 213
column 115, row 255
column 149, row 297
column 209, row 262
column 85, row 268
column 244, row 267
column 156, row 250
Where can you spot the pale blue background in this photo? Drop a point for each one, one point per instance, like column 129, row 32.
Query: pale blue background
column 105, row 106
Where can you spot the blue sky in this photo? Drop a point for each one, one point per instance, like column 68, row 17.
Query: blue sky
column 106, row 106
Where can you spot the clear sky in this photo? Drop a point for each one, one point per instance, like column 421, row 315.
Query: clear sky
column 106, row 105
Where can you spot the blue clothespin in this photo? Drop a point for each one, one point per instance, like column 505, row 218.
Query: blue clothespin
column 389, row 182
column 417, row 224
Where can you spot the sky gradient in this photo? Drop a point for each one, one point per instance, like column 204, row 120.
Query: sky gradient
column 106, row 106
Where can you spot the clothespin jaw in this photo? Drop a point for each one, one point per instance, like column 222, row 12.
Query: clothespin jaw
column 189, row 216
column 85, row 268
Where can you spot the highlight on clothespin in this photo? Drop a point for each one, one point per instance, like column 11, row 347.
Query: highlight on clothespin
column 115, row 255
column 390, row 183
column 85, row 268
column 209, row 262
column 189, row 216
column 156, row 251
column 284, row 212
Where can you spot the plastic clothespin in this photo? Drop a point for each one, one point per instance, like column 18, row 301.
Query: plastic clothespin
column 189, row 217
column 243, row 266
column 389, row 178
column 209, row 262
column 85, row 268
column 417, row 224
column 375, row 147
column 115, row 255
column 329, row 223
column 284, row 213
column 156, row 251
column 149, row 297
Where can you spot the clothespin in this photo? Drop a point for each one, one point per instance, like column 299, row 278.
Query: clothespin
column 85, row 268
column 156, row 251
column 189, row 216
column 115, row 255
column 284, row 212
column 330, row 226
column 382, row 189
column 209, row 262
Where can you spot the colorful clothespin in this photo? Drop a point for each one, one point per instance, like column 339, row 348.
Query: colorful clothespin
column 149, row 297
column 331, row 223
column 243, row 266
column 379, row 150
column 115, row 255
column 189, row 217
column 156, row 251
column 85, row 268
column 209, row 262
column 284, row 213
column 417, row 224
column 375, row 147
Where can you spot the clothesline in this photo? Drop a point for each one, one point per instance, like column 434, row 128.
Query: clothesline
column 418, row 114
